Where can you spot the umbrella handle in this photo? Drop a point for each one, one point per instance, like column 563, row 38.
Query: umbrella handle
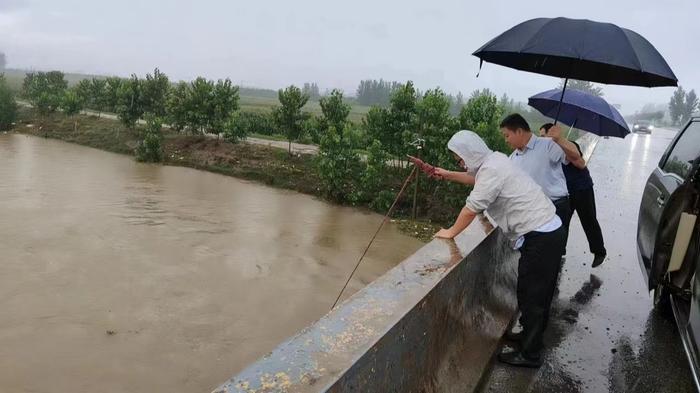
column 571, row 128
column 566, row 82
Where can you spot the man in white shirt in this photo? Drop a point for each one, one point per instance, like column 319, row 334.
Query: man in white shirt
column 542, row 159
column 527, row 217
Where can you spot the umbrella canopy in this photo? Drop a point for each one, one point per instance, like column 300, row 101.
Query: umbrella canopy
column 580, row 49
column 581, row 110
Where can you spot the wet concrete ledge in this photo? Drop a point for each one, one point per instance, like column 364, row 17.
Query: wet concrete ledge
column 430, row 324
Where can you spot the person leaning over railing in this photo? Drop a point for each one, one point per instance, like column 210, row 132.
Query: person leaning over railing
column 527, row 217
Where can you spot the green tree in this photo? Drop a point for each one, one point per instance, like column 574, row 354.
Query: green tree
column 71, row 105
column 393, row 127
column 482, row 107
column 337, row 165
column 224, row 104
column 154, row 93
column 243, row 124
column 289, row 116
column 203, row 106
column 434, row 125
column 677, row 106
column 111, row 94
column 691, row 105
column 335, row 111
column 150, row 148
column 45, row 90
column 481, row 114
column 8, row 106
column 129, row 102
column 585, row 86
column 372, row 183
column 83, row 91
column 3, row 61
column 98, row 94
column 198, row 105
column 177, row 106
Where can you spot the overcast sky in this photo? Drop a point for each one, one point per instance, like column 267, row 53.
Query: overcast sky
column 273, row 44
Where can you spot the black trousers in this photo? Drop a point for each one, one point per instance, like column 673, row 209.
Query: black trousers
column 538, row 268
column 563, row 207
column 583, row 202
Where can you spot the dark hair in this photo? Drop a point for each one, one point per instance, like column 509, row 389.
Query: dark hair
column 515, row 121
column 546, row 127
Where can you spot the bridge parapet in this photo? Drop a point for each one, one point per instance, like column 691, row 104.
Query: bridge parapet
column 430, row 324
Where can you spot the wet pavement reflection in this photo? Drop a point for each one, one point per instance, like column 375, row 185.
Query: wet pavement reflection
column 603, row 334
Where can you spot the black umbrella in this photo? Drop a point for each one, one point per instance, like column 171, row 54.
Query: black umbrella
column 579, row 49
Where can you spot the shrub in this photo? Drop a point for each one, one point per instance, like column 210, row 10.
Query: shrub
column 338, row 166
column 150, row 148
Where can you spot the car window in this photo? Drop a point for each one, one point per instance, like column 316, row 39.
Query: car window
column 686, row 150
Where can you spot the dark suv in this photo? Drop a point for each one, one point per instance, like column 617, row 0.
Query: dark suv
column 668, row 237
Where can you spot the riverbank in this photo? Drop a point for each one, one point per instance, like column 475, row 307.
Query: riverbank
column 264, row 164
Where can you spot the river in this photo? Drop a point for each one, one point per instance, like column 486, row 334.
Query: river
column 118, row 276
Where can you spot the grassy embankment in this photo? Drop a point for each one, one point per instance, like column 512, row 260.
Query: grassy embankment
column 264, row 164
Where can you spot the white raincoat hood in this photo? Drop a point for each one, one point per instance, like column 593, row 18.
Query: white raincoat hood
column 470, row 148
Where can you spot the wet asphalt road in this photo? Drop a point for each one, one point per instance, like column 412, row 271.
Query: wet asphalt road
column 603, row 334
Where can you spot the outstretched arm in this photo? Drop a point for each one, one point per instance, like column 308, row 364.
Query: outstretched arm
column 455, row 176
column 466, row 216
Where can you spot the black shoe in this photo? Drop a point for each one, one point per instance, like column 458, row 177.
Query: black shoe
column 514, row 337
column 517, row 359
column 598, row 259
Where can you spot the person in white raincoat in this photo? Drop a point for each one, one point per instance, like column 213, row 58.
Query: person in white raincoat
column 527, row 217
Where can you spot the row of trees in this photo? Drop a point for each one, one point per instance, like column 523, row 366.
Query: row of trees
column 682, row 105
column 413, row 123
column 131, row 99
column 375, row 92
column 198, row 107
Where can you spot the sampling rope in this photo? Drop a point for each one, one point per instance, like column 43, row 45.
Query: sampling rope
column 403, row 188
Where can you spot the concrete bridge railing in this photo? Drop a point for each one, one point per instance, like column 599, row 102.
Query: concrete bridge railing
column 430, row 324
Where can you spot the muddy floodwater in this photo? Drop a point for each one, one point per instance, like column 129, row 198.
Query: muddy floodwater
column 124, row 277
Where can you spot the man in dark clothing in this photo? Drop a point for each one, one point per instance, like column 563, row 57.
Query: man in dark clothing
column 582, row 200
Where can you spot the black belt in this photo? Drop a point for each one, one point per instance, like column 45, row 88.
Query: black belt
column 562, row 199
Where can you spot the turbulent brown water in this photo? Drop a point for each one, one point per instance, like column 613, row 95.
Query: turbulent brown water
column 124, row 277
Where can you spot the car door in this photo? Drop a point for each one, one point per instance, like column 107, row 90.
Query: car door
column 694, row 317
column 662, row 202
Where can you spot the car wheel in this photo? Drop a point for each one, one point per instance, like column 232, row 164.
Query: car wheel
column 662, row 301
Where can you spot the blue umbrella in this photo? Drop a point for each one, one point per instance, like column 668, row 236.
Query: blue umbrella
column 581, row 110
